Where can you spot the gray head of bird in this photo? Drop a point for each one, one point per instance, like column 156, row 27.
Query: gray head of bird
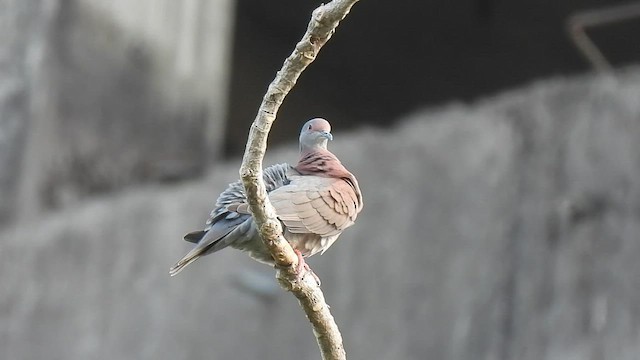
column 315, row 134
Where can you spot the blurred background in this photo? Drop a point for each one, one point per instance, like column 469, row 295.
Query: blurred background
column 498, row 153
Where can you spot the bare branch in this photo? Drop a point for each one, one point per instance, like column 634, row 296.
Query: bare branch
column 323, row 23
column 579, row 22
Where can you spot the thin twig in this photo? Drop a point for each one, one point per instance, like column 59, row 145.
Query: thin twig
column 324, row 21
column 579, row 22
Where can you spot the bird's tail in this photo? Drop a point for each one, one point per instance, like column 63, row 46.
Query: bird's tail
column 192, row 256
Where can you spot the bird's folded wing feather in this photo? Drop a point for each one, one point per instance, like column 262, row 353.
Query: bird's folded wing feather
column 313, row 204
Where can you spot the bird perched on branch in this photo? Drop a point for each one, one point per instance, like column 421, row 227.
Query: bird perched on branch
column 315, row 200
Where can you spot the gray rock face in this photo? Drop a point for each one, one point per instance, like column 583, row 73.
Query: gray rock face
column 21, row 41
column 99, row 95
column 507, row 229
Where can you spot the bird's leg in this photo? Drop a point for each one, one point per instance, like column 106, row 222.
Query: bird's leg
column 302, row 265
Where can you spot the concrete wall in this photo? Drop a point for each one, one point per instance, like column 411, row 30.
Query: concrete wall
column 505, row 229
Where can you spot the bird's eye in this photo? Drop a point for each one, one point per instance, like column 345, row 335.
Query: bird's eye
column 309, row 127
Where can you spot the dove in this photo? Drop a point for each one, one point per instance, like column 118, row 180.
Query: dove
column 315, row 201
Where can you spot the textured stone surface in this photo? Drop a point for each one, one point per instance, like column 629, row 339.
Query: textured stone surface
column 514, row 236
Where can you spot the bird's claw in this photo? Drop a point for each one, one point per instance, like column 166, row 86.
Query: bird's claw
column 303, row 268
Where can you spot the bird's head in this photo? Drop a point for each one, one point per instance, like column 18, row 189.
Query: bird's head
column 314, row 134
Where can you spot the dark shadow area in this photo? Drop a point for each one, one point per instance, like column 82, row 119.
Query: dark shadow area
column 390, row 58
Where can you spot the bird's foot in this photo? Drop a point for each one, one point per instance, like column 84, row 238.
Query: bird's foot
column 303, row 268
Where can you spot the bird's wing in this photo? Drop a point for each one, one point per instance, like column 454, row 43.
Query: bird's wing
column 314, row 204
column 226, row 217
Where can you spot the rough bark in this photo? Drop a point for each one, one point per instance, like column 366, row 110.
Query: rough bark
column 323, row 23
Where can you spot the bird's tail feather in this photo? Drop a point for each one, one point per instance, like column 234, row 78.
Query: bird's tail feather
column 192, row 256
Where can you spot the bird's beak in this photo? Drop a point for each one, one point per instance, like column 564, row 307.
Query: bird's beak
column 327, row 135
